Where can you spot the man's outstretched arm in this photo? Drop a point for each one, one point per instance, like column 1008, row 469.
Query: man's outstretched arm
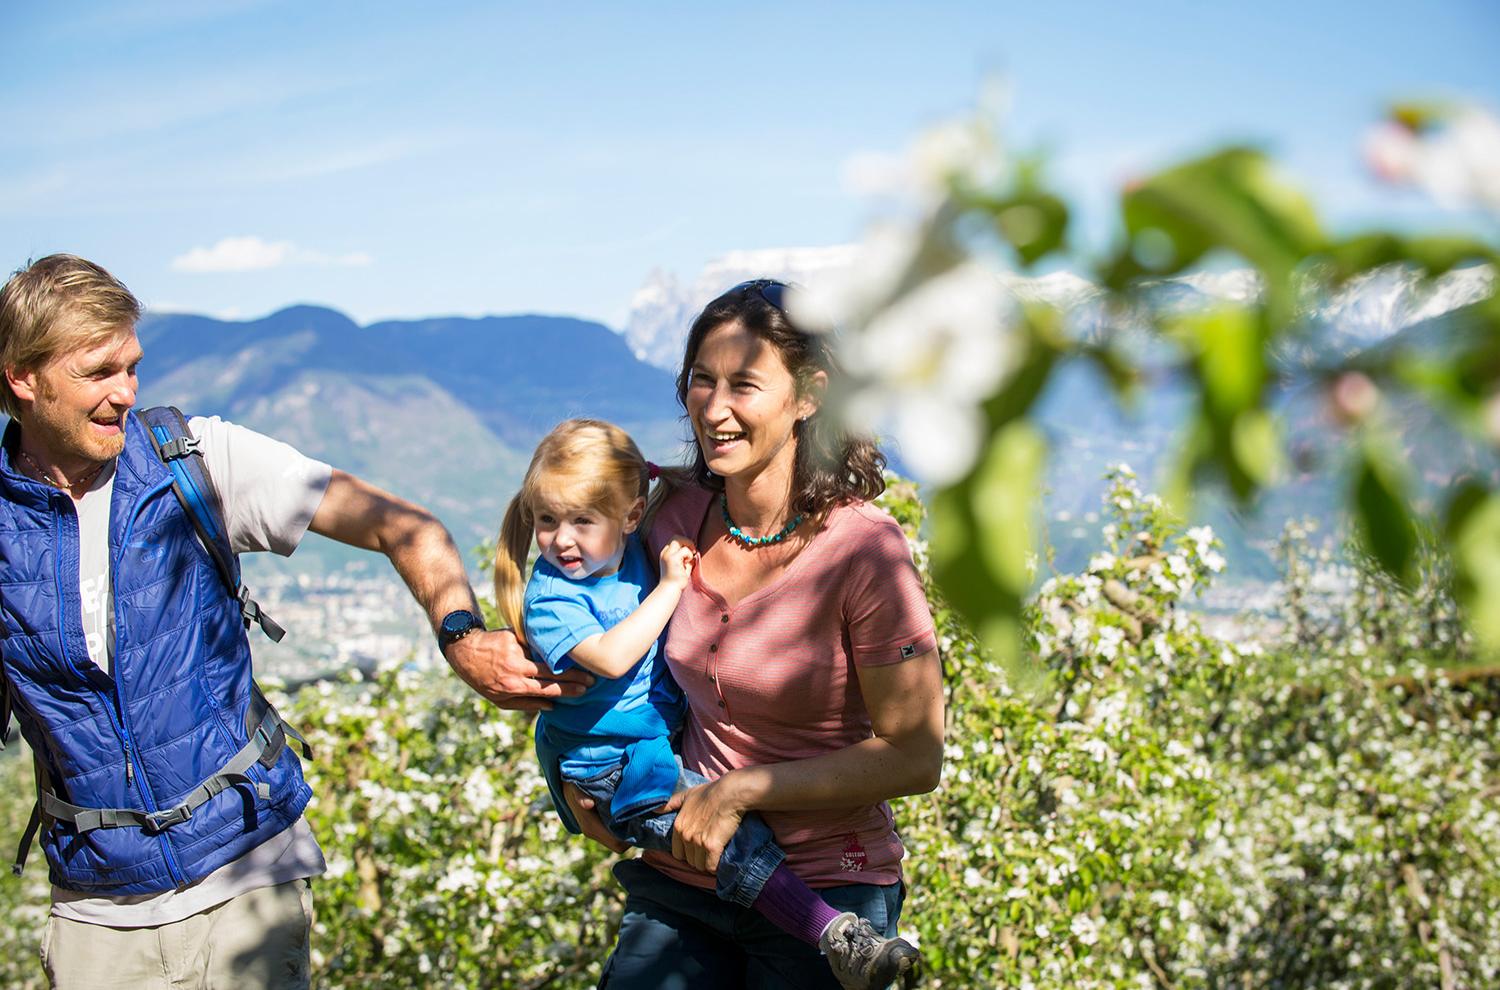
column 355, row 512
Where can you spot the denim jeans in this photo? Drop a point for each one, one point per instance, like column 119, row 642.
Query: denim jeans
column 676, row 937
column 748, row 860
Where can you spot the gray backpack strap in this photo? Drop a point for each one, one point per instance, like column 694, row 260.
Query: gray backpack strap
column 5, row 709
column 267, row 740
column 33, row 823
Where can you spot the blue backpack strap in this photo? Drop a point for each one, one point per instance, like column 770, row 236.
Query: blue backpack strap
column 178, row 449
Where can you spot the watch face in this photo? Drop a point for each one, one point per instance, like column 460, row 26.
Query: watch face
column 458, row 624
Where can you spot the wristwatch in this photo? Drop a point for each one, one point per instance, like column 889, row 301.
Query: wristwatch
column 456, row 625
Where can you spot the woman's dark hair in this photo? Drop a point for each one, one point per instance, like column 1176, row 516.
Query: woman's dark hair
column 832, row 465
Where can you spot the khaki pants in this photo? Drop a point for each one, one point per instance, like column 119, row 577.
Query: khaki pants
column 257, row 941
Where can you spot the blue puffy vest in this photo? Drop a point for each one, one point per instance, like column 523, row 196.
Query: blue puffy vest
column 174, row 710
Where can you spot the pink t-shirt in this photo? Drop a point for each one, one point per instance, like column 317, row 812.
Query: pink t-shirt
column 773, row 679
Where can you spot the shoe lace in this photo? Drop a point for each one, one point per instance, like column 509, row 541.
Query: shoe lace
column 863, row 943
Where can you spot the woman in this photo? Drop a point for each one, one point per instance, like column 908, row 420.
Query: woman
column 805, row 649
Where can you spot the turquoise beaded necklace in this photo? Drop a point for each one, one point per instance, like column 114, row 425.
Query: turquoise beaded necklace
column 752, row 542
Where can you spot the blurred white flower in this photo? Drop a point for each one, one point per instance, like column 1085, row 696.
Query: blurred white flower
column 961, row 153
column 920, row 368
column 846, row 299
column 1085, row 929
column 1456, row 161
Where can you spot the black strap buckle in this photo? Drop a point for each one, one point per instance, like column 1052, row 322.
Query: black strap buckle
column 179, row 447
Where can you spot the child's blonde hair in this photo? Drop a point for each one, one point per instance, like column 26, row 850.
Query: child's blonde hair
column 583, row 464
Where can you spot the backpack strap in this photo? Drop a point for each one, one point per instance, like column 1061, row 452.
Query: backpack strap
column 5, row 709
column 268, row 737
column 178, row 450
column 39, row 774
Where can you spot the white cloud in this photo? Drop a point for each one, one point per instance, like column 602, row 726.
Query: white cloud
column 250, row 253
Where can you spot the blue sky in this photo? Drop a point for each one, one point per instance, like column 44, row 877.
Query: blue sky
column 397, row 160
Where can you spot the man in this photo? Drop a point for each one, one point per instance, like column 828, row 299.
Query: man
column 126, row 656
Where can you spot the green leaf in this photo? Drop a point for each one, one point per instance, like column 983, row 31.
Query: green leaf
column 1473, row 531
column 1227, row 344
column 1433, row 255
column 982, row 534
column 981, row 531
column 1123, row 376
column 1233, row 437
column 1034, row 223
column 1381, row 511
column 1232, row 200
column 1255, row 441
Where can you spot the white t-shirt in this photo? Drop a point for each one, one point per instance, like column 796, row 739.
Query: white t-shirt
column 270, row 492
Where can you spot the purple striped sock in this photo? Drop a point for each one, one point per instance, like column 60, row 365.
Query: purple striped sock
column 793, row 906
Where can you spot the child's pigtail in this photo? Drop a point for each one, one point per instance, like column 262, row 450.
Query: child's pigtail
column 512, row 547
column 669, row 480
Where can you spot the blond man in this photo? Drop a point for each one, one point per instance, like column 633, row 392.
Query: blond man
column 171, row 807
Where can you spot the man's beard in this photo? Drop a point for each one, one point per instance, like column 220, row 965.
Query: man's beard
column 67, row 436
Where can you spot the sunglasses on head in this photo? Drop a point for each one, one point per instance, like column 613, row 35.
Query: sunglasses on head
column 769, row 289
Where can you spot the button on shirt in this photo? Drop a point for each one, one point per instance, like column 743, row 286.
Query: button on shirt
column 773, row 678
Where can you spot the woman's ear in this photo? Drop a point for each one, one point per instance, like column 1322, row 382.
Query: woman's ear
column 811, row 399
column 633, row 517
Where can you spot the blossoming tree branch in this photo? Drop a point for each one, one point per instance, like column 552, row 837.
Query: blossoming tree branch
column 948, row 360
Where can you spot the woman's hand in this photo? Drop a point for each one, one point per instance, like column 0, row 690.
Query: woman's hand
column 707, row 816
column 587, row 818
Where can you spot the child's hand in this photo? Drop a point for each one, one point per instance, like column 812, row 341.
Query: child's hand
column 677, row 560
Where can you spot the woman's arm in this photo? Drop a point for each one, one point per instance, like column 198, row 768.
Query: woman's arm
column 905, row 756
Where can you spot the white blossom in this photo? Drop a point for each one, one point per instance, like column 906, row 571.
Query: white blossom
column 1456, row 160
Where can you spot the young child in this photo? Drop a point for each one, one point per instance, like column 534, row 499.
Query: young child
column 592, row 600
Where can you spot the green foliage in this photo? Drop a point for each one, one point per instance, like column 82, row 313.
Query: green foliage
column 23, row 902
column 446, row 864
column 1311, row 805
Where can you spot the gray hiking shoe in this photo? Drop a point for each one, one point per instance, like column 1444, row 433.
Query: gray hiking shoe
column 863, row 959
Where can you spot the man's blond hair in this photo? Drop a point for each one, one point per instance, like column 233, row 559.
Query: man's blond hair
column 58, row 303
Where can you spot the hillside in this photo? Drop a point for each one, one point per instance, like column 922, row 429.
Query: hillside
column 444, row 411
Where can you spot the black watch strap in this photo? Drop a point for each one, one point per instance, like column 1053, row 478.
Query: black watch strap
column 456, row 625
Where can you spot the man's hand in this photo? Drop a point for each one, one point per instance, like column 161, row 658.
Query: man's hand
column 355, row 512
column 493, row 664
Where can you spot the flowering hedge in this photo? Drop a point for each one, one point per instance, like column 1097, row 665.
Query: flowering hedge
column 1314, row 806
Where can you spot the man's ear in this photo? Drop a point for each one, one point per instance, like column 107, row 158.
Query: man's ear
column 813, row 392
column 22, row 383
column 633, row 517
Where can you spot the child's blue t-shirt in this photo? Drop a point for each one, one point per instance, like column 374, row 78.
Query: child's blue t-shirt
column 586, row 734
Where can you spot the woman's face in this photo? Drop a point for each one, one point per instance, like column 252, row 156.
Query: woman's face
column 743, row 404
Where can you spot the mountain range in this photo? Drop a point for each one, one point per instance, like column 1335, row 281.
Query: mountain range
column 446, row 411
